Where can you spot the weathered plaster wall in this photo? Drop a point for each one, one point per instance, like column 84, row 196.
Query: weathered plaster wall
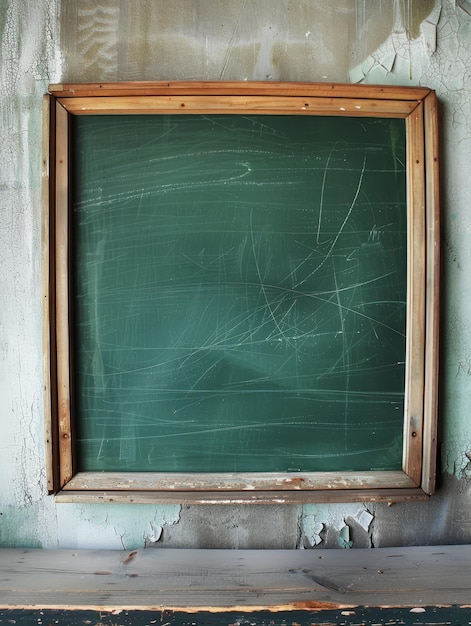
column 422, row 42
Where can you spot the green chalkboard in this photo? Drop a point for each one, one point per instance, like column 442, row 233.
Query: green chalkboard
column 239, row 292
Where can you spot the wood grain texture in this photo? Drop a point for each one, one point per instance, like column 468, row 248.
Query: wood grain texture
column 432, row 320
column 149, row 88
column 415, row 355
column 223, row 580
column 95, row 496
column 234, row 104
column 148, row 481
column 62, row 292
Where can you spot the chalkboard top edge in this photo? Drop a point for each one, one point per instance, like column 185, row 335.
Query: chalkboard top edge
column 336, row 90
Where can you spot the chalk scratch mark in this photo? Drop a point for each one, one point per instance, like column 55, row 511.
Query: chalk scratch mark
column 231, row 41
column 352, row 205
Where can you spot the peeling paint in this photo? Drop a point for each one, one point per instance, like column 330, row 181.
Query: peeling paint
column 344, row 538
column 118, row 527
column 153, row 535
column 448, row 73
column 333, row 525
column 464, row 5
column 364, row 519
column 429, row 33
column 413, row 30
column 314, row 535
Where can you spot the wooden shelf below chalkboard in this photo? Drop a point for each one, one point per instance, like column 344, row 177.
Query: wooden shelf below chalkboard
column 228, row 580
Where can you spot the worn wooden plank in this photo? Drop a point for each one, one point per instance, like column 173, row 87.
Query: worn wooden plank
column 432, row 329
column 413, row 423
column 263, row 488
column 62, row 291
column 149, row 88
column 46, row 289
column 224, row 580
column 234, row 104
column 242, row 497
column 148, row 481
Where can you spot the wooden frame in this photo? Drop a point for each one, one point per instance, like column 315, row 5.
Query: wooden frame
column 418, row 107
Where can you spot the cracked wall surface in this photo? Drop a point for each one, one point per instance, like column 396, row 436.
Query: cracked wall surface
column 407, row 42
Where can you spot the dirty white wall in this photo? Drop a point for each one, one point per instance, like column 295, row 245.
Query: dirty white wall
column 416, row 42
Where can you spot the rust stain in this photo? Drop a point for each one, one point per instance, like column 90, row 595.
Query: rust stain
column 293, row 482
column 310, row 605
column 298, row 606
column 307, row 605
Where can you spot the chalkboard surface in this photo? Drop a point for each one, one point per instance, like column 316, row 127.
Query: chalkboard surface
column 239, row 292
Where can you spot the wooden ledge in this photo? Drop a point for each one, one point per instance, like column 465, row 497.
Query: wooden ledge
column 235, row 580
column 188, row 88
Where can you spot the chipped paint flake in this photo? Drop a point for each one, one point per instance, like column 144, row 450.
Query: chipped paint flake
column 124, row 527
column 344, row 538
column 356, row 75
column 154, row 535
column 315, row 534
column 388, row 60
column 367, row 65
column 429, row 33
column 364, row 519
